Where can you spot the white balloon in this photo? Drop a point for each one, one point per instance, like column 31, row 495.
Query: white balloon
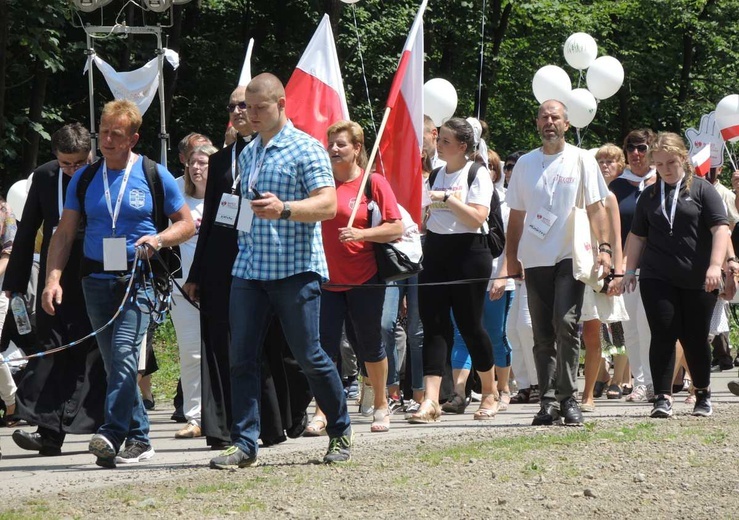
column 439, row 100
column 551, row 82
column 727, row 117
column 350, row 1
column 17, row 198
column 580, row 50
column 581, row 107
column 728, row 106
column 605, row 76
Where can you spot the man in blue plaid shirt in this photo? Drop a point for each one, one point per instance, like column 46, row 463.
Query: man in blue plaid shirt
column 287, row 189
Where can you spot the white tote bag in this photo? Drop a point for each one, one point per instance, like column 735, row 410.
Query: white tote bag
column 584, row 244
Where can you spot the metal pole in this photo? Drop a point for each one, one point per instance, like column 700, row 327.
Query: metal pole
column 163, row 120
column 91, row 87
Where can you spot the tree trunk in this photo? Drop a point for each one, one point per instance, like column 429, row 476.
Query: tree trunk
column 32, row 138
column 499, row 22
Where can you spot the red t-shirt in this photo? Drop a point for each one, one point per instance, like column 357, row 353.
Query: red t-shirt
column 354, row 262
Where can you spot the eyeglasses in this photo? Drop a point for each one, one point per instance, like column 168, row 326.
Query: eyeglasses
column 75, row 166
column 508, row 167
column 233, row 106
column 637, row 147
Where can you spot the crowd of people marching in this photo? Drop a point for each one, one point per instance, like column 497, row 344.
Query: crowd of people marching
column 282, row 302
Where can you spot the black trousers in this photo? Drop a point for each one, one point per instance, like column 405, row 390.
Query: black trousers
column 678, row 314
column 448, row 258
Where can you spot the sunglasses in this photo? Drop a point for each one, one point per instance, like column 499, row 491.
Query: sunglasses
column 636, row 147
column 75, row 166
column 233, row 106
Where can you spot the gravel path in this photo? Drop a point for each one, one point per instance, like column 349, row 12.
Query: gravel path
column 620, row 465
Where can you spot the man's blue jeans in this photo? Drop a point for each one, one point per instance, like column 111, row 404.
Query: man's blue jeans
column 125, row 417
column 296, row 301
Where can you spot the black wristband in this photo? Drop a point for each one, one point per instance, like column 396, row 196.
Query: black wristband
column 603, row 244
column 732, row 259
column 602, row 249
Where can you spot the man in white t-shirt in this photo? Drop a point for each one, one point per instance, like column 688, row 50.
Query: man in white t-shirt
column 542, row 191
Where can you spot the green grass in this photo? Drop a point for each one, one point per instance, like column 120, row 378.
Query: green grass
column 164, row 380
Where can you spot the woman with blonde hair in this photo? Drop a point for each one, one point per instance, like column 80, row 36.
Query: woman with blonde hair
column 678, row 239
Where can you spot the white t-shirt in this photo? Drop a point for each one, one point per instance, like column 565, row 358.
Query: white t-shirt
column 541, row 183
column 187, row 249
column 441, row 219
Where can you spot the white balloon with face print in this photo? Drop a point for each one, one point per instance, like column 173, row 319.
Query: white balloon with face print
column 580, row 50
column 605, row 77
column 581, row 107
column 439, row 100
column 551, row 82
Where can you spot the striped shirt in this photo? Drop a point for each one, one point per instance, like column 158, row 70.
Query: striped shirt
column 293, row 165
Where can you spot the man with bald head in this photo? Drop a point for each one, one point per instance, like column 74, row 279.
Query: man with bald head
column 542, row 191
column 287, row 189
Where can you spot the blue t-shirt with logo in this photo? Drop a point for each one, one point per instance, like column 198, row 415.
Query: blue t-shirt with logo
column 135, row 218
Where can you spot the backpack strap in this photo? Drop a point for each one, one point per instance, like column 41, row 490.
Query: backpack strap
column 472, row 173
column 432, row 176
column 161, row 221
column 83, row 183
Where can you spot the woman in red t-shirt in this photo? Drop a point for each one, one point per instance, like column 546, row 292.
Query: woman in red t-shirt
column 351, row 261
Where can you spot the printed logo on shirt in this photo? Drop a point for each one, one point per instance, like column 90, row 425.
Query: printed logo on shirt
column 565, row 180
column 136, row 198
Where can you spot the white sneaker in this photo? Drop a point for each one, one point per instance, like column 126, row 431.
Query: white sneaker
column 410, row 408
column 638, row 395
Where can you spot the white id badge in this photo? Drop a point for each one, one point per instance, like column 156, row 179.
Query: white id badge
column 114, row 254
column 543, row 222
column 246, row 215
column 228, row 210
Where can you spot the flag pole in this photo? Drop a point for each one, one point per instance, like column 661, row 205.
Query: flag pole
column 392, row 98
column 370, row 163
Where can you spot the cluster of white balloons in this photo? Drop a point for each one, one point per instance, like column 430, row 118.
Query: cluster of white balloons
column 604, row 77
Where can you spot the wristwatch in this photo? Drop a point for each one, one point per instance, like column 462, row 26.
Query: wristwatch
column 285, row 211
column 159, row 242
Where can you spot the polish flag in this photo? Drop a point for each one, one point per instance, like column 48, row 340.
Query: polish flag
column 702, row 161
column 315, row 92
column 402, row 140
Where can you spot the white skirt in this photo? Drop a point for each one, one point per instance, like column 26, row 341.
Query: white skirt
column 607, row 309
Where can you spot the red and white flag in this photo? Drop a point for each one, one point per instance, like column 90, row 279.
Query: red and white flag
column 315, row 92
column 401, row 142
column 702, row 161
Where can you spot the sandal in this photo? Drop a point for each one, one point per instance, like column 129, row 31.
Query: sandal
column 522, row 397
column 428, row 413
column 316, row 427
column 587, row 407
column 483, row 413
column 614, row 392
column 380, row 421
column 9, row 417
column 505, row 400
column 600, row 386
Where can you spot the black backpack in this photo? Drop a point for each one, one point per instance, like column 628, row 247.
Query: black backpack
column 495, row 234
column 161, row 220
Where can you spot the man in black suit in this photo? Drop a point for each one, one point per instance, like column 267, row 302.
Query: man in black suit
column 63, row 393
column 209, row 282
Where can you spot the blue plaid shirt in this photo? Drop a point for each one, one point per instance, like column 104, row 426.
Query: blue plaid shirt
column 294, row 165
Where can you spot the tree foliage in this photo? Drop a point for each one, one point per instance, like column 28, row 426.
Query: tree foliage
column 679, row 56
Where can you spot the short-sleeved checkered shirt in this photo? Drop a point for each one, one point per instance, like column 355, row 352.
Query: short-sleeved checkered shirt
column 294, row 165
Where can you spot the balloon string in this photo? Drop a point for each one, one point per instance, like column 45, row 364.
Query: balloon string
column 482, row 59
column 364, row 75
